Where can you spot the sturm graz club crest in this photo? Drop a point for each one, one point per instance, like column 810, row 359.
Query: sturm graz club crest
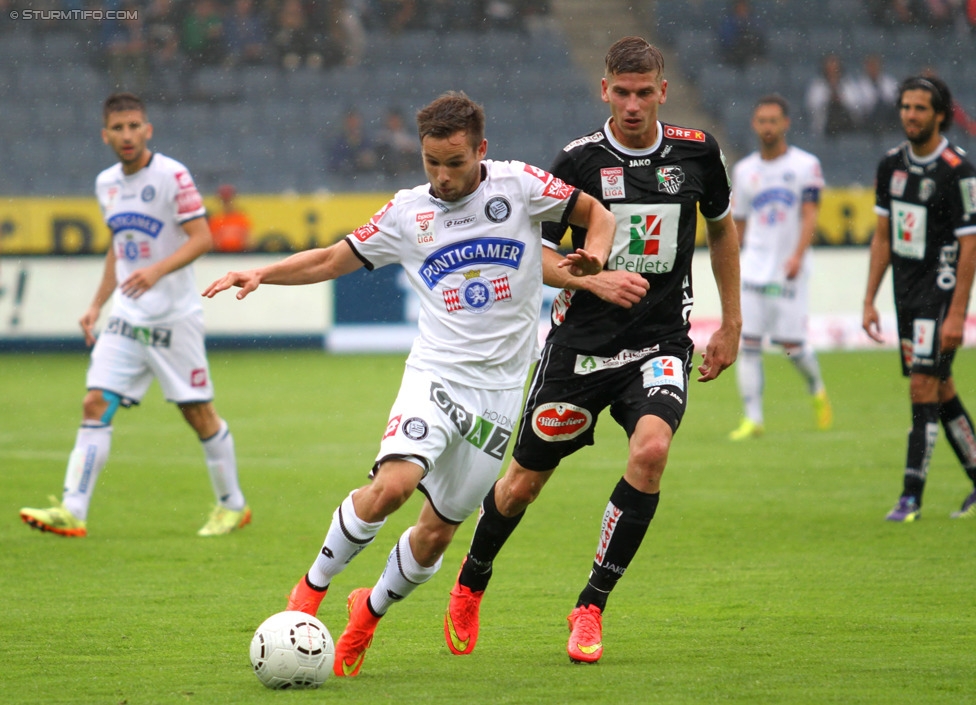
column 498, row 209
column 669, row 179
column 477, row 294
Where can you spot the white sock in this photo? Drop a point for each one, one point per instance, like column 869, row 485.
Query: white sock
column 401, row 576
column 347, row 536
column 805, row 361
column 92, row 444
column 222, row 466
column 749, row 373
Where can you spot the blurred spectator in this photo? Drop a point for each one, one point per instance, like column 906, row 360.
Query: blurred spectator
column 202, row 39
column 741, row 36
column 165, row 59
column 877, row 93
column 294, row 38
column 231, row 227
column 395, row 15
column 397, row 149
column 831, row 100
column 352, row 152
column 245, row 34
column 330, row 23
column 126, row 50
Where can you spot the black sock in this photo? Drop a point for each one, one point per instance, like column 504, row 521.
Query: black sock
column 625, row 522
column 921, row 441
column 959, row 432
column 490, row 534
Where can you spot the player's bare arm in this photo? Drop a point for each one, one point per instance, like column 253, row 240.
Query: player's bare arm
column 308, row 267
column 589, row 213
column 615, row 286
column 723, row 346
column 954, row 324
column 880, row 259
column 104, row 292
column 199, row 242
column 808, row 226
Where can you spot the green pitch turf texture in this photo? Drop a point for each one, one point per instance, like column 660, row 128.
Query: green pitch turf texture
column 768, row 576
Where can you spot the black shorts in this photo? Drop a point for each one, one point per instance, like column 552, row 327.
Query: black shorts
column 920, row 333
column 569, row 390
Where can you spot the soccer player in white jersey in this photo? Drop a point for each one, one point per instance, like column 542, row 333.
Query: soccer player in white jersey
column 155, row 329
column 470, row 244
column 775, row 201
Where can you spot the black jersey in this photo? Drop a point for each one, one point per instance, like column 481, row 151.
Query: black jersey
column 655, row 195
column 929, row 203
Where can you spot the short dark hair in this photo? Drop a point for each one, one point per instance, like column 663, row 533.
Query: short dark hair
column 120, row 102
column 634, row 55
column 937, row 88
column 774, row 99
column 450, row 113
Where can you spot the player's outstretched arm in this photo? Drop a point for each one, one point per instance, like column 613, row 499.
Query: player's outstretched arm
column 105, row 288
column 308, row 267
column 880, row 259
column 589, row 213
column 723, row 346
column 615, row 286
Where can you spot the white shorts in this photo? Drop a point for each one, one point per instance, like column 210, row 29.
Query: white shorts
column 777, row 311
column 126, row 359
column 458, row 434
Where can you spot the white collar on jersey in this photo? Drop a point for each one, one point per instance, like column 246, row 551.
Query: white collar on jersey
column 928, row 159
column 634, row 152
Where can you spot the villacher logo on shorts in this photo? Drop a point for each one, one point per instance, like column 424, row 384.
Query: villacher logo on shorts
column 560, row 421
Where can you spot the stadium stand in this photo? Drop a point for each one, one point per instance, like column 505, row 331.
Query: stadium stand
column 266, row 129
column 799, row 35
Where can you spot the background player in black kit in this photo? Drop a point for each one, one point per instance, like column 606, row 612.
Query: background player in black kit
column 619, row 338
column 926, row 205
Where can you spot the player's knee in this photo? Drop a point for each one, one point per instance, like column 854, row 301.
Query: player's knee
column 100, row 405
column 651, row 454
column 521, row 491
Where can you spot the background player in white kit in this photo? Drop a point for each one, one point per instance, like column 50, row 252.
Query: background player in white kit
column 470, row 243
column 155, row 329
column 775, row 201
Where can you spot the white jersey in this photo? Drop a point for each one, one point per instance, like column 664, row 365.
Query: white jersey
column 145, row 212
column 768, row 194
column 476, row 265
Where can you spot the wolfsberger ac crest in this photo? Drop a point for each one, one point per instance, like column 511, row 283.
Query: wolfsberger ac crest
column 669, row 179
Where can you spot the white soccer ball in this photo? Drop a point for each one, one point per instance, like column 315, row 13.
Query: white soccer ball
column 292, row 650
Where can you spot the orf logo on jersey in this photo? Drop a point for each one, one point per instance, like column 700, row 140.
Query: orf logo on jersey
column 669, row 179
column 560, row 421
column 612, row 181
column 645, row 234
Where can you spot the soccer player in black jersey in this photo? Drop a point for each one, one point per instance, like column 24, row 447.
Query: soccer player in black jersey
column 620, row 338
column 926, row 205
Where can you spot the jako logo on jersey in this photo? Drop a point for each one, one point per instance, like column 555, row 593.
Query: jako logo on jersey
column 610, row 519
column 639, row 162
column 498, row 209
column 669, row 179
column 477, row 294
column 612, row 181
column 468, row 253
column 479, row 432
column 391, row 426
column 560, row 421
column 666, row 369
column 681, row 133
column 645, row 234
column 365, row 232
column 135, row 221
column 198, row 378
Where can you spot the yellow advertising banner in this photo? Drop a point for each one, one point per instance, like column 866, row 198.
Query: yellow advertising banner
column 39, row 226
column 281, row 223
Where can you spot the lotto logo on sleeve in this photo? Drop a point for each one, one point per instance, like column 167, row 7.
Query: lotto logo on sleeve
column 664, row 370
column 560, row 421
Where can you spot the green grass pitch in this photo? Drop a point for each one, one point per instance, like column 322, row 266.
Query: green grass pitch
column 768, row 575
